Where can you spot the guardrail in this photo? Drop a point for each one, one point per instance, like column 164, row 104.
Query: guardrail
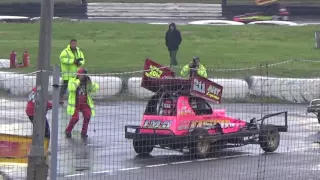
column 154, row 11
column 229, row 11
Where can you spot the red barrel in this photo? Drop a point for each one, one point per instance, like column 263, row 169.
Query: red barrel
column 26, row 58
column 13, row 57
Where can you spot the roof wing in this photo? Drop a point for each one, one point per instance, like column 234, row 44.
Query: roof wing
column 206, row 89
column 160, row 78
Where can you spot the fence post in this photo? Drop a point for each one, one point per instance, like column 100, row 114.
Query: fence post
column 317, row 38
column 55, row 123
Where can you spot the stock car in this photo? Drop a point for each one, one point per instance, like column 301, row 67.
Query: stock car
column 261, row 16
column 314, row 107
column 178, row 116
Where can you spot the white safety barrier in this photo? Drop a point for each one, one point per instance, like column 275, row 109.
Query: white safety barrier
column 4, row 63
column 308, row 24
column 20, row 84
column 13, row 18
column 108, row 86
column 134, row 88
column 159, row 23
column 5, row 76
column 36, row 19
column 233, row 88
column 288, row 23
column 12, row 85
column 165, row 23
column 215, row 22
column 288, row 89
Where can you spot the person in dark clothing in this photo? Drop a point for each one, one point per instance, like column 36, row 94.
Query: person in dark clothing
column 173, row 41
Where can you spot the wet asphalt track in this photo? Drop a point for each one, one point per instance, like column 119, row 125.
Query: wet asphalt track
column 107, row 155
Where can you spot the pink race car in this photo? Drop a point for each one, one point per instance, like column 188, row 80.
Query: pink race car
column 179, row 117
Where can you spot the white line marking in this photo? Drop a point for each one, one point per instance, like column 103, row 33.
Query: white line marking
column 316, row 168
column 156, row 165
column 127, row 169
column 182, row 162
column 314, row 146
column 73, row 175
column 101, row 172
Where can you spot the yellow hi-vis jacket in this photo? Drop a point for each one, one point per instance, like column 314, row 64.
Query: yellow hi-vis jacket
column 201, row 71
column 72, row 88
column 67, row 57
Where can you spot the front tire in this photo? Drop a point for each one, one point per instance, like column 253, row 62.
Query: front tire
column 269, row 138
column 318, row 116
column 200, row 145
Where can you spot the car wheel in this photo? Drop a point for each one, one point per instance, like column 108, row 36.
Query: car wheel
column 269, row 138
column 200, row 145
column 142, row 147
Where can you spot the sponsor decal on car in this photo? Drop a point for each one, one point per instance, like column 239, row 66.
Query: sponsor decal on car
column 185, row 111
column 213, row 92
column 183, row 125
column 157, row 124
column 209, row 124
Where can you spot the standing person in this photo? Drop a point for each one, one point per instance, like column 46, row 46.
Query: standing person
column 71, row 58
column 80, row 88
column 30, row 110
column 173, row 40
column 194, row 68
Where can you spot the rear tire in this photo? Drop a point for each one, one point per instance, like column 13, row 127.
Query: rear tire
column 269, row 138
column 318, row 116
column 142, row 147
column 200, row 145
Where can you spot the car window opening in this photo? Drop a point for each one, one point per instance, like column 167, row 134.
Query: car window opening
column 200, row 106
column 162, row 104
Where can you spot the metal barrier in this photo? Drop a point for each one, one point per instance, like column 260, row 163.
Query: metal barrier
column 111, row 150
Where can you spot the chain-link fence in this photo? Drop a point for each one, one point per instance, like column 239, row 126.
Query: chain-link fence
column 176, row 133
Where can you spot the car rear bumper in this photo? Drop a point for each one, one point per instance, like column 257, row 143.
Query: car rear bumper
column 154, row 135
column 165, row 140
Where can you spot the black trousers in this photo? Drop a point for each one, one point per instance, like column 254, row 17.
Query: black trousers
column 63, row 88
column 47, row 129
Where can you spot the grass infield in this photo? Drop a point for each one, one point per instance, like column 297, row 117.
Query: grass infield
column 120, row 47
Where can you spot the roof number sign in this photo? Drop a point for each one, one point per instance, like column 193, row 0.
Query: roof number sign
column 154, row 72
column 199, row 86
